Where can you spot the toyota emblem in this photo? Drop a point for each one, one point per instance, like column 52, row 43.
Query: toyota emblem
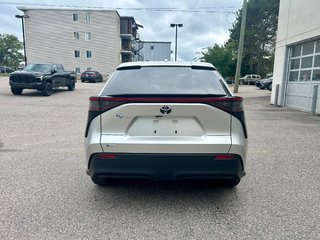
column 165, row 110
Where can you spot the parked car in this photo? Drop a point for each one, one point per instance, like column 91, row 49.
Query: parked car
column 91, row 76
column 258, row 83
column 264, row 83
column 4, row 69
column 42, row 77
column 230, row 80
column 270, row 87
column 166, row 121
column 250, row 79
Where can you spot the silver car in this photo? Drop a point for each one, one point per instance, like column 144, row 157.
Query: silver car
column 166, row 121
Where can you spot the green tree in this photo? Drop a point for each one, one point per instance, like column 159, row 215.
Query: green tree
column 10, row 48
column 259, row 41
column 222, row 57
column 260, row 35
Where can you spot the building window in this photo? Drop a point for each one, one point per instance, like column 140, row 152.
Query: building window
column 75, row 17
column 318, row 46
column 316, row 75
column 89, row 68
column 307, row 48
column 76, row 53
column 87, row 36
column 293, row 76
column 76, row 35
column 88, row 17
column 89, row 54
column 296, row 51
column 305, row 62
column 77, row 70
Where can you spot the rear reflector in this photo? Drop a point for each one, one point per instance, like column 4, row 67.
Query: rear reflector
column 226, row 157
column 105, row 156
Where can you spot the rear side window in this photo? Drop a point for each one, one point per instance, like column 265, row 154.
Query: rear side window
column 165, row 81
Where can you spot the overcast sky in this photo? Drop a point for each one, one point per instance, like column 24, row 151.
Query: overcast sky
column 200, row 29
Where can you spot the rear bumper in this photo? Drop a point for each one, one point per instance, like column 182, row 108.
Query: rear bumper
column 164, row 166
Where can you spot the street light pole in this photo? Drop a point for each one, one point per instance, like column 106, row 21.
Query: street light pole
column 22, row 17
column 176, row 25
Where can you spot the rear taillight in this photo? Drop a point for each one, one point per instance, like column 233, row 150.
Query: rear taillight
column 97, row 106
column 232, row 105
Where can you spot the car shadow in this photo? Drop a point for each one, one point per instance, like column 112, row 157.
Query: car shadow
column 172, row 196
column 31, row 92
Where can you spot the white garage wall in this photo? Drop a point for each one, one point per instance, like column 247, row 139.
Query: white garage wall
column 299, row 21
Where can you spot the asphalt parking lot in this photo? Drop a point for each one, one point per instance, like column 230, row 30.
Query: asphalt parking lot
column 45, row 193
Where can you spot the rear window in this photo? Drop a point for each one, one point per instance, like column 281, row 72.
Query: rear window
column 165, row 81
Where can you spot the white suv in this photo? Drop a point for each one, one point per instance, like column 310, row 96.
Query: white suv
column 250, row 79
column 166, row 121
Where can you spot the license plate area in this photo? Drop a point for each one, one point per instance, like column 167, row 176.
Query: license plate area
column 164, row 126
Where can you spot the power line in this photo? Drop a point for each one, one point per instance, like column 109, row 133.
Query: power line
column 185, row 10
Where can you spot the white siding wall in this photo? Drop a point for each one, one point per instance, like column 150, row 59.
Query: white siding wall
column 49, row 38
column 156, row 51
column 299, row 21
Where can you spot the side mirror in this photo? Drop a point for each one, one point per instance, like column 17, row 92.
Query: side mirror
column 53, row 71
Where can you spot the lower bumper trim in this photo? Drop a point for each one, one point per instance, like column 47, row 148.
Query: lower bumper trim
column 169, row 167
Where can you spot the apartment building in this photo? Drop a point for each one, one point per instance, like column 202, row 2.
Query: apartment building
column 80, row 39
column 131, row 44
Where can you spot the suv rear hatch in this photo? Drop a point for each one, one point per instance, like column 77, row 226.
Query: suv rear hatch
column 174, row 110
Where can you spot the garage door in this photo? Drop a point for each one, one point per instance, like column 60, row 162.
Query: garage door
column 304, row 73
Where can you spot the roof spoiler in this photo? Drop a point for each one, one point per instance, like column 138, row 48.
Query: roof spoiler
column 203, row 67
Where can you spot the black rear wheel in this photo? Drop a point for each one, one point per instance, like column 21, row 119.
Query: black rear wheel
column 16, row 91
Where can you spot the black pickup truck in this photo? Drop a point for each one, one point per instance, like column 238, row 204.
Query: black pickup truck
column 42, row 77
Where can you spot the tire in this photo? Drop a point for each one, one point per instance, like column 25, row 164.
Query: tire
column 16, row 91
column 102, row 181
column 71, row 86
column 47, row 89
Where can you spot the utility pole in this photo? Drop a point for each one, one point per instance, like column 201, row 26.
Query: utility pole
column 22, row 17
column 240, row 49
